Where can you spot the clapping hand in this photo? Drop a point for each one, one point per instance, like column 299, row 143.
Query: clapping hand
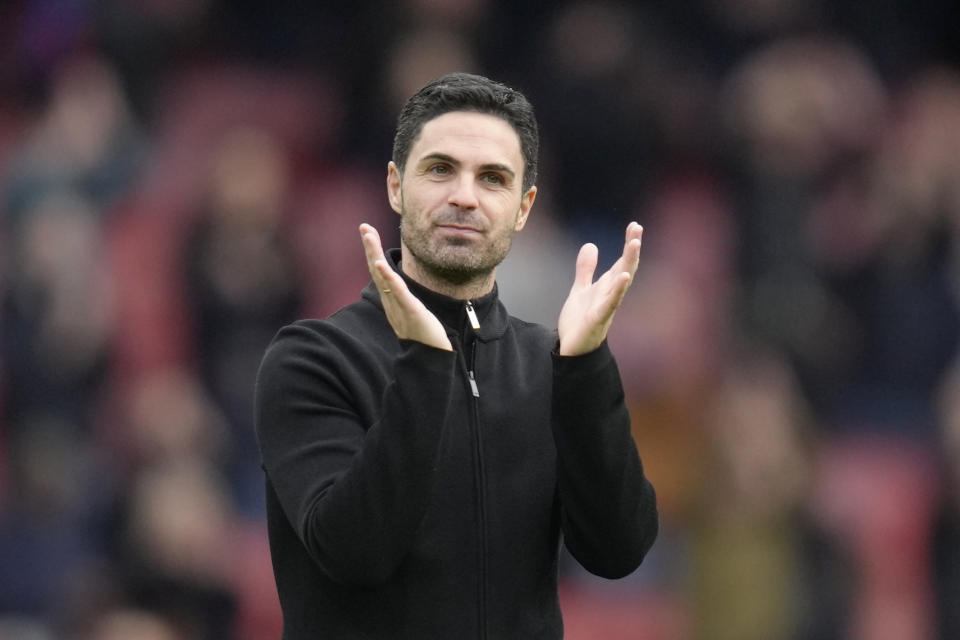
column 588, row 312
column 408, row 316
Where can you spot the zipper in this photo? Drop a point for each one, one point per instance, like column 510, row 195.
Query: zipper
column 473, row 385
column 480, row 477
column 472, row 315
column 475, row 324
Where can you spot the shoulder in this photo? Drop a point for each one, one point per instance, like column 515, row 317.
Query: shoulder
column 330, row 361
column 359, row 320
column 356, row 331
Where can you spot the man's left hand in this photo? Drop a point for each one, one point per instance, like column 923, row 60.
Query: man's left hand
column 588, row 312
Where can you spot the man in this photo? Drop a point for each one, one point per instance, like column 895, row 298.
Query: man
column 425, row 451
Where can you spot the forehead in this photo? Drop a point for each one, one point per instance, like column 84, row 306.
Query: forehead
column 466, row 135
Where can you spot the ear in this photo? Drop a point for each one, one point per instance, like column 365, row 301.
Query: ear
column 393, row 187
column 526, row 203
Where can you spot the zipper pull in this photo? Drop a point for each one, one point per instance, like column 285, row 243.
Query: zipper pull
column 473, row 385
column 472, row 315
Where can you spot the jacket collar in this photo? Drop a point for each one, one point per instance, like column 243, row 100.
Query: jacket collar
column 451, row 312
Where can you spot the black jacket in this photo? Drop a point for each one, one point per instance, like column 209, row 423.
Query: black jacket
column 418, row 493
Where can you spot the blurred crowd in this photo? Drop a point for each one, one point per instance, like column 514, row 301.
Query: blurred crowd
column 180, row 178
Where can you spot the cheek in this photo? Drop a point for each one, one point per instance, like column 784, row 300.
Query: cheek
column 423, row 198
column 513, row 216
column 504, row 204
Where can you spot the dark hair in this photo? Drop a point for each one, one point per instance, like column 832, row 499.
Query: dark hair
column 469, row 92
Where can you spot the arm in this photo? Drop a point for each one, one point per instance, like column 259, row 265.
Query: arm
column 353, row 485
column 608, row 507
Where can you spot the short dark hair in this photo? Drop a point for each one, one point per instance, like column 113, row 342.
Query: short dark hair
column 469, row 92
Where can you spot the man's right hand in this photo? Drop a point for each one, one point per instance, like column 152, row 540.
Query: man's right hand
column 408, row 316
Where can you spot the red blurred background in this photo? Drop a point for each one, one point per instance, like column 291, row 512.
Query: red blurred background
column 178, row 179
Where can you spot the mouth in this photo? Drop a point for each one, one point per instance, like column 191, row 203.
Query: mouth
column 460, row 229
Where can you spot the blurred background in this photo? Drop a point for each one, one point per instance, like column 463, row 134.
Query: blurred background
column 179, row 178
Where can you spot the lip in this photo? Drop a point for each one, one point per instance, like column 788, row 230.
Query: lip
column 458, row 228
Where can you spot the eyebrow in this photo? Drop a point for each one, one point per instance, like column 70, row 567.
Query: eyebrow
column 493, row 166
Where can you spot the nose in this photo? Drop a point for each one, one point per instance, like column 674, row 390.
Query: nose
column 463, row 193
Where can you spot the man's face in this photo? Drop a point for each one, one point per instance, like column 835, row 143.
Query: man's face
column 460, row 195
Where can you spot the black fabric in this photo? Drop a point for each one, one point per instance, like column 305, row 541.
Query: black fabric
column 402, row 506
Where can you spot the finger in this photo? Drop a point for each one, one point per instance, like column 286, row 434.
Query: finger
column 634, row 239
column 615, row 298
column 389, row 280
column 630, row 257
column 371, row 244
column 395, row 295
column 373, row 251
column 392, row 288
column 586, row 265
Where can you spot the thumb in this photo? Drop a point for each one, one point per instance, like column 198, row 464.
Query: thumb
column 586, row 265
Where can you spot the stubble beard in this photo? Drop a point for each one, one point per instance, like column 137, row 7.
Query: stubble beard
column 457, row 261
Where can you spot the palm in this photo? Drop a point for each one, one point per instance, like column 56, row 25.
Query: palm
column 408, row 316
column 588, row 312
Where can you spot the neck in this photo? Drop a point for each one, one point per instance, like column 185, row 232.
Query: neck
column 475, row 287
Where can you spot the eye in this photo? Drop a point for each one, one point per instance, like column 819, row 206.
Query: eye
column 439, row 169
column 493, row 178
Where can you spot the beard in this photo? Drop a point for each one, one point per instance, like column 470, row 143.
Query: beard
column 453, row 259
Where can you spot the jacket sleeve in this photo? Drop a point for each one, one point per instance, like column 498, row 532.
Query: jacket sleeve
column 608, row 507
column 355, row 493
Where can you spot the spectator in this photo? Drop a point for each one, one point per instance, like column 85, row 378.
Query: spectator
column 176, row 549
column 241, row 284
column 762, row 566
column 57, row 314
